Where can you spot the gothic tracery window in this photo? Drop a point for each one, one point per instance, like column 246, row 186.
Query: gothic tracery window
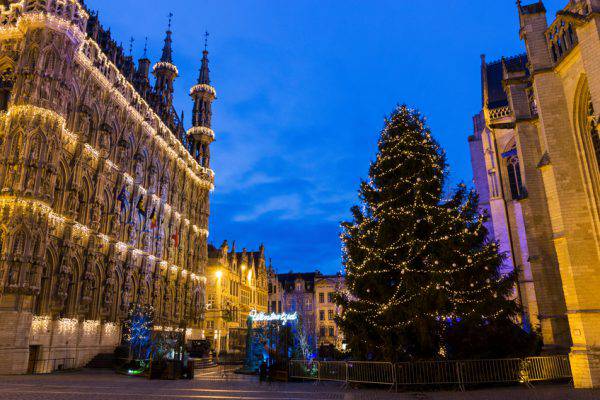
column 592, row 130
column 514, row 177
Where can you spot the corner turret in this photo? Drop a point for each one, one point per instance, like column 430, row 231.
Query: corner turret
column 200, row 135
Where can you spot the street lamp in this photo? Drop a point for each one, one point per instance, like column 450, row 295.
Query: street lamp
column 219, row 274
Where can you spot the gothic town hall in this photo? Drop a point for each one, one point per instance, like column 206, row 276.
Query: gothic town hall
column 104, row 194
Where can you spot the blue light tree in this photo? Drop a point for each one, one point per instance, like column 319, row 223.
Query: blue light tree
column 138, row 330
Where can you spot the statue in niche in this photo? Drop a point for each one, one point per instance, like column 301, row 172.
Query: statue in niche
column 167, row 301
column 122, row 150
column 109, row 290
column 27, row 85
column 13, row 276
column 64, row 279
column 159, row 244
column 152, row 178
column 96, row 215
column 34, row 153
column 143, row 292
column 138, row 168
column 131, row 232
column 146, row 241
column 115, row 226
column 73, row 202
column 45, row 89
column 87, row 287
column 32, row 277
column 104, row 144
column 46, row 185
column 127, row 287
column 164, row 189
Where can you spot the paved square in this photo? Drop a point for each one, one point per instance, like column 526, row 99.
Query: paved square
column 97, row 385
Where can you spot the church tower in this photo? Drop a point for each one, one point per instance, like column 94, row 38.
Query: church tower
column 165, row 72
column 200, row 135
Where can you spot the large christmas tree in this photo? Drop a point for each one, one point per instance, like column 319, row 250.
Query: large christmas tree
column 417, row 266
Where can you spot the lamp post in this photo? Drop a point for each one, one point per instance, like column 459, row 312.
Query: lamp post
column 217, row 337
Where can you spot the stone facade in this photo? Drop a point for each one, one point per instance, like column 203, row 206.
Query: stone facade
column 553, row 98
column 328, row 333
column 236, row 285
column 104, row 196
column 310, row 294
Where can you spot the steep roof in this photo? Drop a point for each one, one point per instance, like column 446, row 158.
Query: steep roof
column 494, row 75
column 287, row 280
column 495, row 91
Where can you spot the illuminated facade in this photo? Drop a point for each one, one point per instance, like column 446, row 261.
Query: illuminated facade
column 326, row 310
column 536, row 157
column 311, row 295
column 236, row 285
column 104, row 195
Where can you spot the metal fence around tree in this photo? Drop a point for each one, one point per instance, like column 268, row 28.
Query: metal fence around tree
column 436, row 373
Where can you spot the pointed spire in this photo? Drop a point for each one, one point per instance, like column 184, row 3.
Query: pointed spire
column 131, row 41
column 145, row 55
column 204, row 77
column 167, row 53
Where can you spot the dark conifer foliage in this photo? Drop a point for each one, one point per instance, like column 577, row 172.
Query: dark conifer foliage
column 418, row 266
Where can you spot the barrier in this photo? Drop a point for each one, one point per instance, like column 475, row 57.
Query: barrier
column 545, row 368
column 304, row 369
column 371, row 372
column 333, row 371
column 490, row 371
column 427, row 373
column 461, row 373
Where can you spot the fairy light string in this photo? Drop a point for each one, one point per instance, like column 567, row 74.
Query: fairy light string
column 407, row 242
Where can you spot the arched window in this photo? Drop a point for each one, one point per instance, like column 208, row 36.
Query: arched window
column 514, row 177
column 588, row 129
column 592, row 129
column 6, row 85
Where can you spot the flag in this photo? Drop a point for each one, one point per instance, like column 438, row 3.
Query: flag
column 153, row 219
column 140, row 206
column 175, row 237
column 122, row 198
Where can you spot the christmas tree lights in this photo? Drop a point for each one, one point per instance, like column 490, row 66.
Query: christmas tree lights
column 417, row 264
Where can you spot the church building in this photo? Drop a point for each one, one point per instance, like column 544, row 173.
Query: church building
column 536, row 160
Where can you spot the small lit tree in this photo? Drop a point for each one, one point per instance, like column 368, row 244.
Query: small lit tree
column 138, row 330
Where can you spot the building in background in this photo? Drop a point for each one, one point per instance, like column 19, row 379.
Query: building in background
column 104, row 195
column 236, row 285
column 311, row 295
column 498, row 179
column 328, row 333
column 536, row 157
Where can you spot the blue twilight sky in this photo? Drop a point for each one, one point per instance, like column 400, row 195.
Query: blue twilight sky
column 303, row 86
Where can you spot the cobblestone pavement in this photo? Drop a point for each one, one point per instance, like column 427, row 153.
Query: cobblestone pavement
column 211, row 384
